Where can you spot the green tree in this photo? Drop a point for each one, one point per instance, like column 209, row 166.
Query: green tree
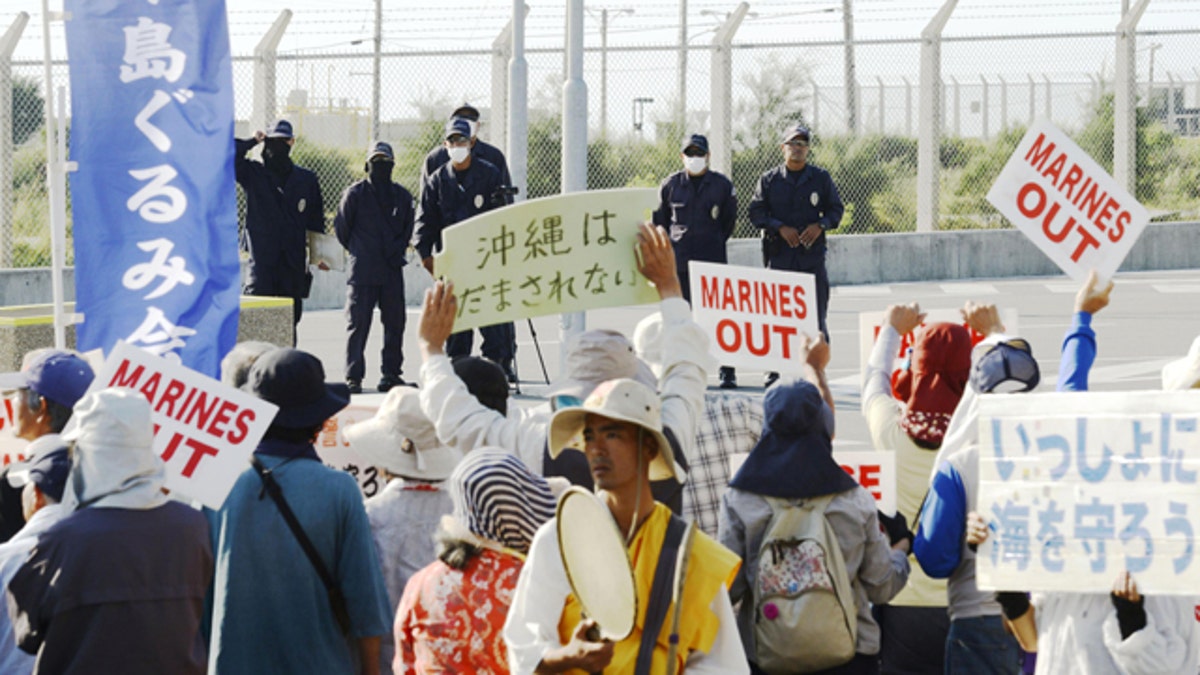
column 1155, row 155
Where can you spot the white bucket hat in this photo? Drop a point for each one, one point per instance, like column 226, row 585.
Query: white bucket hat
column 624, row 400
column 1183, row 373
column 401, row 439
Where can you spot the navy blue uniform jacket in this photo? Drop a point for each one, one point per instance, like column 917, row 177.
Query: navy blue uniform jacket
column 376, row 240
column 445, row 202
column 798, row 201
column 277, row 218
column 699, row 214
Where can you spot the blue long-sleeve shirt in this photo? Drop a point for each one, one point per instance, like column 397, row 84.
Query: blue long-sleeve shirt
column 1078, row 354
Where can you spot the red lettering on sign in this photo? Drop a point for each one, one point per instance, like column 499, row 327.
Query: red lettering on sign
column 722, row 328
column 175, row 389
column 217, row 428
column 124, row 378
column 242, row 426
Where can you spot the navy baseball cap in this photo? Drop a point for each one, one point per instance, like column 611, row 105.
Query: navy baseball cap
column 695, row 141
column 457, row 127
column 281, row 129
column 294, row 380
column 795, row 130
column 381, row 149
column 53, row 374
column 48, row 471
column 466, row 111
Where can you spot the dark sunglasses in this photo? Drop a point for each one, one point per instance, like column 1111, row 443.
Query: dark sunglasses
column 694, row 152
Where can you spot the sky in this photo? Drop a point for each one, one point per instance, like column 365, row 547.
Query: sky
column 346, row 27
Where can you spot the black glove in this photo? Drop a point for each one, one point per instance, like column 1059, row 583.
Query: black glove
column 1013, row 603
column 896, row 528
column 1131, row 616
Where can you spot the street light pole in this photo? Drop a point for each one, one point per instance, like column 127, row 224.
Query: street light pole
column 375, row 70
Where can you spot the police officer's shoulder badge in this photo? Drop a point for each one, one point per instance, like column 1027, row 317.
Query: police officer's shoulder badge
column 301, row 204
column 478, row 201
column 716, row 210
column 814, row 199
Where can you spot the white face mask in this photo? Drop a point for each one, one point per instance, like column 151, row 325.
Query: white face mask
column 459, row 153
column 695, row 165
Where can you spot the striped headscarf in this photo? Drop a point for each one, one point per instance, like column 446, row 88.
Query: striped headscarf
column 498, row 499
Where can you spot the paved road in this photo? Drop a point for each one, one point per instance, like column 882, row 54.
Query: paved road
column 1153, row 318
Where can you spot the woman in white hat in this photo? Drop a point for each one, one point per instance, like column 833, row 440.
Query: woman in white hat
column 404, row 516
column 452, row 613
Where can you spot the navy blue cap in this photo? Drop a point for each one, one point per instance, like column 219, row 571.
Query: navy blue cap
column 795, row 130
column 381, row 149
column 281, row 129
column 57, row 375
column 294, row 380
column 48, row 471
column 1007, row 367
column 695, row 141
column 457, row 126
column 466, row 111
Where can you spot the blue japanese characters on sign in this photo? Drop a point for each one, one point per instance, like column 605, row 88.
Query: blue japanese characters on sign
column 155, row 221
column 1078, row 487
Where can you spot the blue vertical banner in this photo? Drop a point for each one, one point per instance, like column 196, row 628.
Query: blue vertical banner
column 153, row 199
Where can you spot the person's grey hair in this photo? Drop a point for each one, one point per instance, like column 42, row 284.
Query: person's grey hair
column 235, row 367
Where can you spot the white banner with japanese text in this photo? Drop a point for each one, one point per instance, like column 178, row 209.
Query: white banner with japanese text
column 1077, row 487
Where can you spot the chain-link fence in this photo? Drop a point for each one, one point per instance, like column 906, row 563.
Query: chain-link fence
column 865, row 135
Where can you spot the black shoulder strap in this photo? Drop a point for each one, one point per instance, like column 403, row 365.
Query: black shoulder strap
column 660, row 593
column 272, row 489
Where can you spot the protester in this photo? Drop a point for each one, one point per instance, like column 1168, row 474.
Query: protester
column 977, row 641
column 404, row 516
column 479, row 148
column 235, row 367
column 49, row 384
column 466, row 424
column 272, row 611
column 283, row 203
column 484, row 380
column 42, row 482
column 1121, row 632
column 452, row 613
column 465, row 186
column 731, row 425
column 619, row 429
column 794, row 204
column 698, row 208
column 374, row 222
column 793, row 463
column 118, row 586
column 915, row 623
column 1183, row 373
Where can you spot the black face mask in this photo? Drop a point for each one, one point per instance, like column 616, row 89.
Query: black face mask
column 380, row 172
column 275, row 154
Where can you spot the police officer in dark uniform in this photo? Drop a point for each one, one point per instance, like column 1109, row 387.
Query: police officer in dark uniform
column 463, row 187
column 479, row 149
column 697, row 207
column 374, row 222
column 794, row 204
column 283, row 202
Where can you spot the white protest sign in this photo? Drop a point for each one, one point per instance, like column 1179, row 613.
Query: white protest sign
column 203, row 430
column 12, row 449
column 874, row 470
column 869, row 324
column 754, row 317
column 1080, row 486
column 335, row 450
column 558, row 254
column 1067, row 204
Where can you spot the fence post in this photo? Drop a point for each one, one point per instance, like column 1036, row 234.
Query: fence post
column 501, row 54
column 1125, row 98
column 721, row 91
column 1003, row 103
column 8, row 122
column 816, row 104
column 1049, row 97
column 264, row 108
column 848, row 67
column 882, row 106
column 516, row 136
column 1032, row 100
column 574, row 143
column 1171, row 110
column 907, row 108
column 930, row 120
column 957, row 106
column 983, row 107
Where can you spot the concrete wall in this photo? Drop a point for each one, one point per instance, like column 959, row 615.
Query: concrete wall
column 858, row 259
